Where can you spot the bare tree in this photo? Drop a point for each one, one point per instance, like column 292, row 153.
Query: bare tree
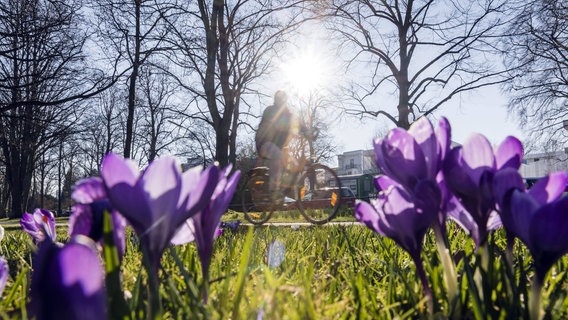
column 133, row 31
column 101, row 129
column 315, row 115
column 41, row 66
column 420, row 52
column 156, row 133
column 536, row 52
column 228, row 45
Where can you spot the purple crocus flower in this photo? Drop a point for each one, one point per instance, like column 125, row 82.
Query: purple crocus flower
column 404, row 217
column 468, row 174
column 204, row 225
column 91, row 201
column 414, row 155
column 40, row 225
column 157, row 201
column 68, row 282
column 538, row 216
column 408, row 157
column 3, row 274
column 233, row 226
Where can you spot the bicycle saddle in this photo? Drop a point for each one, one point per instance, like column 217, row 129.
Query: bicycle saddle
column 258, row 171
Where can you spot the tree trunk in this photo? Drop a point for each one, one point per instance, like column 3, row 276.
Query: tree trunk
column 132, row 86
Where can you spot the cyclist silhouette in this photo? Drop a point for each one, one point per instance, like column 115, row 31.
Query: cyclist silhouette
column 277, row 126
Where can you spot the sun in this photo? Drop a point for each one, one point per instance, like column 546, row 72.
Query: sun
column 306, row 72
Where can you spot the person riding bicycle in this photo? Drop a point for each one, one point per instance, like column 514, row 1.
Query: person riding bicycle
column 277, row 126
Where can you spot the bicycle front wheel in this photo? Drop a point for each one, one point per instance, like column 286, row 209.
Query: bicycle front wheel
column 319, row 194
column 256, row 203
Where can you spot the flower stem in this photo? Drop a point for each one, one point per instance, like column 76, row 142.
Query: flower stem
column 425, row 286
column 155, row 304
column 450, row 274
column 205, row 287
column 535, row 298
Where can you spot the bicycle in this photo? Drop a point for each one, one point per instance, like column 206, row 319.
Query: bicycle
column 312, row 189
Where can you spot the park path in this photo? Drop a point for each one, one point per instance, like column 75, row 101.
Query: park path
column 14, row 223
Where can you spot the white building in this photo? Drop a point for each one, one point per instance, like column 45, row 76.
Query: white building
column 356, row 170
column 540, row 164
column 357, row 162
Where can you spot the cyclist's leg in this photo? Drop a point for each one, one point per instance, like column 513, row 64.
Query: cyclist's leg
column 273, row 156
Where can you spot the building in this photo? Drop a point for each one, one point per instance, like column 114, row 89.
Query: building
column 356, row 170
column 356, row 162
column 540, row 164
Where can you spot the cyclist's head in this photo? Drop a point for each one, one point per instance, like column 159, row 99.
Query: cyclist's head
column 280, row 98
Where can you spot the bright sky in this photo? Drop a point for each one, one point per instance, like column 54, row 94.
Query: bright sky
column 483, row 111
column 309, row 66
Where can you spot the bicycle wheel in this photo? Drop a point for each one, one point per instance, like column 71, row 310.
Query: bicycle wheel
column 318, row 194
column 256, row 203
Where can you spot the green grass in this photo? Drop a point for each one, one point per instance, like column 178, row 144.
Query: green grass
column 331, row 272
column 291, row 216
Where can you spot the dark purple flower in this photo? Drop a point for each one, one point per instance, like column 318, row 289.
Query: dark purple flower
column 3, row 274
column 402, row 216
column 203, row 226
column 233, row 226
column 468, row 174
column 91, row 202
column 410, row 156
column 40, row 225
column 538, row 217
column 68, row 282
column 157, row 201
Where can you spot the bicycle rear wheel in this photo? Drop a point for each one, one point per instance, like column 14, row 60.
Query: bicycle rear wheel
column 318, row 194
column 256, row 202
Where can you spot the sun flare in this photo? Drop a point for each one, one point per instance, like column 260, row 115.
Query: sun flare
column 306, row 72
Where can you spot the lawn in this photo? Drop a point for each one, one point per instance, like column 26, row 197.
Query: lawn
column 313, row 272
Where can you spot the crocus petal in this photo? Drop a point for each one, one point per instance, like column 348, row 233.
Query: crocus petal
column 117, row 170
column 549, row 188
column 444, row 136
column 403, row 158
column 120, row 180
column 368, row 215
column 456, row 178
column 197, row 191
column 185, row 233
column 423, row 134
column 383, row 183
column 549, row 227
column 509, row 153
column 29, row 225
column 73, row 275
column 161, row 185
column 81, row 220
column 494, row 222
column 427, row 199
column 503, row 182
column 401, row 221
column 518, row 213
column 3, row 274
column 477, row 156
column 88, row 190
column 40, row 225
column 464, row 220
column 208, row 220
